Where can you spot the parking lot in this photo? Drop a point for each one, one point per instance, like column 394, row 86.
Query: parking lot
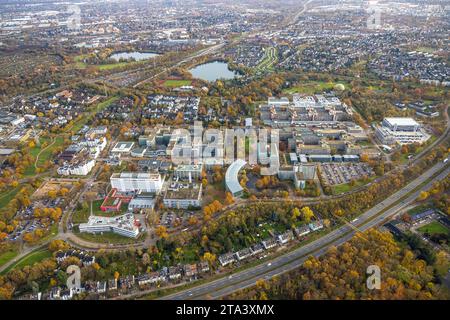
column 340, row 173
column 173, row 220
column 27, row 222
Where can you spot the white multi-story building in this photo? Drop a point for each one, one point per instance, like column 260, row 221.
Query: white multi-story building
column 124, row 225
column 80, row 169
column 134, row 182
column 401, row 131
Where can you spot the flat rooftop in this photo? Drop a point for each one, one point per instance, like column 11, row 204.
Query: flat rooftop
column 179, row 193
column 402, row 121
column 122, row 145
column 136, row 175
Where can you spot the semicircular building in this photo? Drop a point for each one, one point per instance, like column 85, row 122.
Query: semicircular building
column 231, row 178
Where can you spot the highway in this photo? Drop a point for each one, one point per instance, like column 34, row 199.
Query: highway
column 294, row 259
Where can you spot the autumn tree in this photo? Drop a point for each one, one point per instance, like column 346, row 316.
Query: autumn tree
column 307, row 214
column 58, row 245
column 161, row 232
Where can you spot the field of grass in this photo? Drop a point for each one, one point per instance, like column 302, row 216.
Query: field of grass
column 108, row 237
column 312, row 87
column 29, row 260
column 418, row 209
column 42, row 154
column 82, row 215
column 79, row 62
column 46, row 154
column 176, row 83
column 110, row 66
column 346, row 187
column 275, row 228
column 7, row 196
column 7, row 256
column 434, row 227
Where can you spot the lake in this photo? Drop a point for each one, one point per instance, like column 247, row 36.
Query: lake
column 213, row 71
column 138, row 56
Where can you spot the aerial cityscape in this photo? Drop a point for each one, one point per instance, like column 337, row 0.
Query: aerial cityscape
column 224, row 150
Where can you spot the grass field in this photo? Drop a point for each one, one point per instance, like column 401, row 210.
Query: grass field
column 82, row 215
column 79, row 61
column 29, row 260
column 312, row 87
column 346, row 187
column 7, row 196
column 107, row 237
column 46, row 153
column 419, row 209
column 42, row 155
column 7, row 256
column 434, row 227
column 176, row 83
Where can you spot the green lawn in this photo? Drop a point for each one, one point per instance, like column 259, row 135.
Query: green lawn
column 176, row 83
column 79, row 63
column 7, row 196
column 312, row 87
column 434, row 227
column 108, row 237
column 45, row 155
column 419, row 209
column 82, row 215
column 276, row 228
column 346, row 187
column 7, row 256
column 29, row 260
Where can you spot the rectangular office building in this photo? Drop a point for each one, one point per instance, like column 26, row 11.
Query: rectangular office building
column 137, row 182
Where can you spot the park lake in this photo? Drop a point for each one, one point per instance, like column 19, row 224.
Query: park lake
column 213, row 71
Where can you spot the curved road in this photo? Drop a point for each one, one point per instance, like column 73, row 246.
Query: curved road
column 295, row 259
